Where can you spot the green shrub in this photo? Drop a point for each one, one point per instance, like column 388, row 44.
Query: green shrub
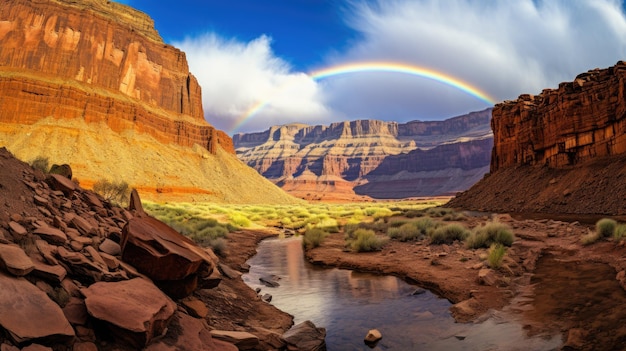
column 397, row 223
column 365, row 240
column 414, row 213
column 406, row 232
column 496, row 255
column 605, row 227
column 490, row 233
column 239, row 219
column 115, row 192
column 620, row 232
column 439, row 211
column 448, row 234
column 41, row 163
column 313, row 237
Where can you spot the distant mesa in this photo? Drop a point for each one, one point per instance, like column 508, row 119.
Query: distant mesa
column 561, row 151
column 372, row 158
column 90, row 83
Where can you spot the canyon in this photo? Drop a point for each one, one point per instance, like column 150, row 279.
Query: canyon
column 372, row 158
column 92, row 84
column 561, row 151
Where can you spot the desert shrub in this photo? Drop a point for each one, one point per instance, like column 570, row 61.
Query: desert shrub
column 239, row 219
column 41, row 163
column 414, row 213
column 454, row 216
column 377, row 226
column 382, row 213
column 218, row 246
column 448, row 234
column 589, row 238
column 328, row 224
column 605, row 227
column 496, row 255
column 439, row 211
column 425, row 225
column 405, row 232
column 493, row 232
column 397, row 223
column 313, row 237
column 365, row 240
column 115, row 192
column 620, row 232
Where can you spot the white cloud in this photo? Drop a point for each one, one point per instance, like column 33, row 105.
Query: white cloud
column 503, row 47
column 235, row 77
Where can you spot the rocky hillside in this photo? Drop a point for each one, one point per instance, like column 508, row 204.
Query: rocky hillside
column 80, row 274
column 561, row 151
column 90, row 83
column 372, row 158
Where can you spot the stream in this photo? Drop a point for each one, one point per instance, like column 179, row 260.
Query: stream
column 348, row 304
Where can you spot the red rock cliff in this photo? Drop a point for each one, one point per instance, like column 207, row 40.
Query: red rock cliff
column 100, row 61
column 577, row 122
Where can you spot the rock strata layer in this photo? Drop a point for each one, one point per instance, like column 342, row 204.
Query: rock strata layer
column 373, row 158
column 560, row 151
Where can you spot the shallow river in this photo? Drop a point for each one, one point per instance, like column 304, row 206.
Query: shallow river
column 349, row 303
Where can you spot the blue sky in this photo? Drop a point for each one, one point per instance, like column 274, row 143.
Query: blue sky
column 251, row 53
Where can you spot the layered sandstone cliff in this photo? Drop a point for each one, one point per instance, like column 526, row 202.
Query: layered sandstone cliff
column 91, row 83
column 561, row 151
column 317, row 160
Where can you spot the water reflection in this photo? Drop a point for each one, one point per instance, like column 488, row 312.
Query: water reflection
column 349, row 303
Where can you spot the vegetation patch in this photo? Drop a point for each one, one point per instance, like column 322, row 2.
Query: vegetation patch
column 448, row 234
column 365, row 240
column 606, row 227
column 313, row 238
column 115, row 192
column 490, row 233
column 496, row 255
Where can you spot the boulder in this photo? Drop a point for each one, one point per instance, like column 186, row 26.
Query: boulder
column 17, row 228
column 111, row 247
column 27, row 313
column 270, row 281
column 243, row 340
column 305, row 336
column 193, row 334
column 54, row 274
column 14, row 260
column 195, row 307
column 135, row 311
column 61, row 183
column 487, row 277
column 373, row 336
column 164, row 255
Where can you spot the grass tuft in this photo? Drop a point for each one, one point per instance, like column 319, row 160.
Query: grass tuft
column 313, row 237
column 490, row 233
column 496, row 255
column 448, row 234
column 365, row 240
column 606, row 227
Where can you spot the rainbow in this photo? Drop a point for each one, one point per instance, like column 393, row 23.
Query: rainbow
column 389, row 67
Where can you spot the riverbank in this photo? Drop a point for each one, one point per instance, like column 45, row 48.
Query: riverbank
column 528, row 287
column 235, row 306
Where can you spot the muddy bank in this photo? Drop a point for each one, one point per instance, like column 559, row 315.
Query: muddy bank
column 542, row 258
column 235, row 306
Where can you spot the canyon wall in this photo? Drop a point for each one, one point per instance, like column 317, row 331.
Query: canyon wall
column 100, row 61
column 561, row 151
column 344, row 156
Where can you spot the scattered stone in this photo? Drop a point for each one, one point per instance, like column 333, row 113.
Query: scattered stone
column 228, row 272
column 487, row 277
column 305, row 336
column 17, row 228
column 270, row 281
column 83, row 226
column 7, row 347
column 40, row 200
column 93, row 200
column 195, row 307
column 14, row 260
column 71, row 288
column 134, row 310
column 61, row 183
column 76, row 246
column 243, row 340
column 54, row 274
column 464, row 310
column 111, row 262
column 75, row 311
column 267, row 298
column 51, row 235
column 95, row 256
column 111, row 247
column 373, row 336
column 38, row 319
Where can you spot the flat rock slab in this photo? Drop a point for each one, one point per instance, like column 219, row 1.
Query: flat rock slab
column 305, row 336
column 27, row 313
column 61, row 183
column 243, row 340
column 111, row 247
column 51, row 235
column 14, row 260
column 136, row 309
column 193, row 335
column 54, row 274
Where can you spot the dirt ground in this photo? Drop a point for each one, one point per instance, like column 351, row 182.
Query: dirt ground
column 549, row 281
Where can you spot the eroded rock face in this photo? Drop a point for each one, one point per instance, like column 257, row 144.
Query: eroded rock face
column 385, row 155
column 125, row 76
column 577, row 122
column 27, row 313
column 135, row 309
